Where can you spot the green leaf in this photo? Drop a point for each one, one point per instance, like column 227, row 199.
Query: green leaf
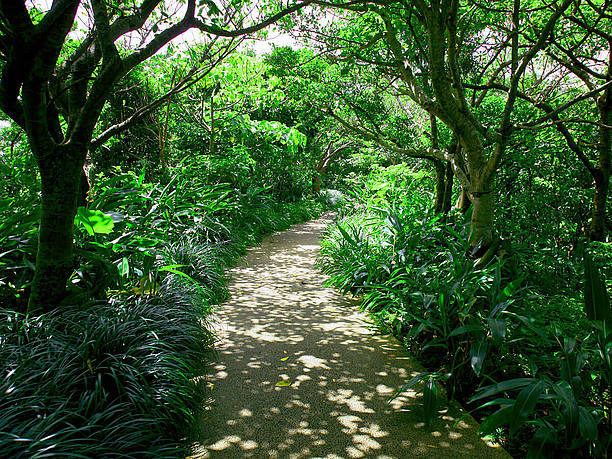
column 94, row 221
column 596, row 300
column 478, row 353
column 346, row 235
column 498, row 328
column 283, row 383
column 587, row 424
column 501, row 387
column 465, row 329
column 413, row 382
column 497, row 419
column 542, row 444
column 124, row 267
column 570, row 407
column 171, row 269
column 512, row 287
column 525, row 403
column 430, row 399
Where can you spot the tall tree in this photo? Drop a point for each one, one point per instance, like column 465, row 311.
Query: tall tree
column 55, row 88
column 583, row 51
column 429, row 50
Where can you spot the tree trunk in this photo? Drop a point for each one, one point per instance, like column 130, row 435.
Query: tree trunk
column 602, row 177
column 84, row 188
column 60, row 172
column 481, row 232
column 448, row 191
column 464, row 202
column 598, row 217
column 482, row 195
column 440, row 186
column 316, row 182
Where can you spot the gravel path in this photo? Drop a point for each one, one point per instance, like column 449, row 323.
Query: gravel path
column 301, row 374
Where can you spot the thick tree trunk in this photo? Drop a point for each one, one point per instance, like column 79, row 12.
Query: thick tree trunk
column 316, row 182
column 60, row 173
column 604, row 168
column 481, row 190
column 317, row 177
column 481, row 232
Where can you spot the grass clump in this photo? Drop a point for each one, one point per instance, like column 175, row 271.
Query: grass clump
column 123, row 378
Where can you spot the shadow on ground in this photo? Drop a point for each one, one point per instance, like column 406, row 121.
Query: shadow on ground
column 300, row 374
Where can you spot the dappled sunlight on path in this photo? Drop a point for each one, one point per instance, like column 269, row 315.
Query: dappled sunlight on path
column 300, row 374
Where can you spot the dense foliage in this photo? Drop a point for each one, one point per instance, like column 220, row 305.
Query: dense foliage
column 135, row 171
column 495, row 333
column 120, row 368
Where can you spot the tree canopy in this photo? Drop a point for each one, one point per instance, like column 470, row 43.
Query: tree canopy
column 465, row 145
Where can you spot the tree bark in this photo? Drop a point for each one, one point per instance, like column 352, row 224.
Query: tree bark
column 463, row 202
column 483, row 202
column 597, row 227
column 316, row 182
column 448, row 188
column 440, row 186
column 598, row 217
column 60, row 173
column 84, row 188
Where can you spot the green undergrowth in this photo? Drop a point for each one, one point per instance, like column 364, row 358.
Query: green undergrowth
column 119, row 369
column 116, row 379
column 533, row 365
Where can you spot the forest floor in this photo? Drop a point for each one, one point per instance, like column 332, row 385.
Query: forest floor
column 300, row 373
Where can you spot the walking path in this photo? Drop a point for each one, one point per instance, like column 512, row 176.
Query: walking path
column 300, row 374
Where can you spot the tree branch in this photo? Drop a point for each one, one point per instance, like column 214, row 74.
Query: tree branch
column 567, row 105
column 192, row 77
column 369, row 135
column 505, row 126
column 215, row 30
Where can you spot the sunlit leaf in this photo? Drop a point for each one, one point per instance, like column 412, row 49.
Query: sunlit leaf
column 124, row 267
column 478, row 352
column 498, row 328
column 94, row 221
column 283, row 383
